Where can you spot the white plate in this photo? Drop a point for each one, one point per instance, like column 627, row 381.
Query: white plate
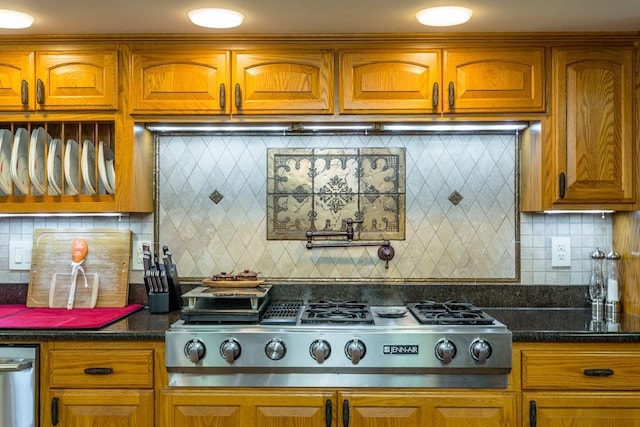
column 19, row 161
column 36, row 159
column 102, row 169
column 5, row 159
column 54, row 167
column 88, row 167
column 111, row 175
column 71, row 167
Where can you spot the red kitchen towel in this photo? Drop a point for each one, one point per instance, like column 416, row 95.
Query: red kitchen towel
column 61, row 318
column 9, row 309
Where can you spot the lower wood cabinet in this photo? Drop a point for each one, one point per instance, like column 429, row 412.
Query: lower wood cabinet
column 353, row 408
column 98, row 384
column 581, row 409
column 580, row 385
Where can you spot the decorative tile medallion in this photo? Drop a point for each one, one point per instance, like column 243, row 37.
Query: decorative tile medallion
column 318, row 189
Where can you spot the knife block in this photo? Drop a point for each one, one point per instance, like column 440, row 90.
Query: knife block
column 165, row 302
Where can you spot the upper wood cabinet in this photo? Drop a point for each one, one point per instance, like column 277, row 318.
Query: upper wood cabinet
column 202, row 81
column 390, row 82
column 592, row 126
column 180, row 81
column 493, row 80
column 447, row 81
column 583, row 155
column 283, row 82
column 58, row 80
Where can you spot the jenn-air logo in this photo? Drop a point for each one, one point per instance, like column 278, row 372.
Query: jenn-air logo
column 400, row 349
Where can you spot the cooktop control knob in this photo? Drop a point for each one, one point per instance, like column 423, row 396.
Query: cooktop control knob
column 355, row 350
column 230, row 350
column 445, row 351
column 275, row 349
column 480, row 350
column 194, row 350
column 320, row 350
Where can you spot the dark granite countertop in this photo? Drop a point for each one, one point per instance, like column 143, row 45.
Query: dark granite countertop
column 532, row 313
column 526, row 324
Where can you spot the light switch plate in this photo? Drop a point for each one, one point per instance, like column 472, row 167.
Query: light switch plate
column 560, row 252
column 20, row 254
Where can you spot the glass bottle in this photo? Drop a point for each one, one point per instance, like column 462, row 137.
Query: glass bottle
column 596, row 284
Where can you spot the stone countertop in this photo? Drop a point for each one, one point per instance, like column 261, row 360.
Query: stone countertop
column 526, row 324
column 566, row 324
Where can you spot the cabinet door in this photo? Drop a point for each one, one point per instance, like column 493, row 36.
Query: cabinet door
column 17, row 92
column 77, row 80
column 380, row 409
column 399, row 82
column 180, row 81
column 593, row 124
column 581, row 409
column 433, row 409
column 493, row 80
column 239, row 408
column 99, row 408
column 283, row 82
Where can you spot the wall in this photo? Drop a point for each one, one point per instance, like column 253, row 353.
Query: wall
column 214, row 239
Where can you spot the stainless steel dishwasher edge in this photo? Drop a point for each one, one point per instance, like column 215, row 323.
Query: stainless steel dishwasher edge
column 18, row 385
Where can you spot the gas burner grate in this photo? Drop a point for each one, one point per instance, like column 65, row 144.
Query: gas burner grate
column 341, row 312
column 449, row 313
column 281, row 313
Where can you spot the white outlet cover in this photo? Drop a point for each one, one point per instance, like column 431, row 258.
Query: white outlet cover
column 560, row 252
column 20, row 255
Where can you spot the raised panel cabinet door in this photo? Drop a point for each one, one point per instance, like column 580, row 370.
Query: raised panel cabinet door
column 398, row 82
column 480, row 409
column 17, row 82
column 240, row 408
column 99, row 408
column 180, row 82
column 289, row 82
column 382, row 409
column 593, row 125
column 493, row 80
column 565, row 409
column 77, row 80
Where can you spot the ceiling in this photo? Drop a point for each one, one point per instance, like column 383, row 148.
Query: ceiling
column 323, row 16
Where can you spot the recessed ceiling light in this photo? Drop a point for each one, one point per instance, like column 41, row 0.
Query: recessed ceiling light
column 14, row 20
column 444, row 16
column 216, row 18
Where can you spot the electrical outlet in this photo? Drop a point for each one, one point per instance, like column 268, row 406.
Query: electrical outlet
column 20, row 255
column 560, row 252
column 136, row 255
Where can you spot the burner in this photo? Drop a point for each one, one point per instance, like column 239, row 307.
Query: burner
column 345, row 312
column 449, row 313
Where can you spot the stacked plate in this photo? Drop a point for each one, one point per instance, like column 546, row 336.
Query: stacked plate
column 38, row 164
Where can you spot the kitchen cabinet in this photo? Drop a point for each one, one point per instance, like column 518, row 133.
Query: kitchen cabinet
column 97, row 384
column 580, row 384
column 240, row 408
column 59, row 80
column 584, row 156
column 180, row 81
column 354, row 408
column 495, row 80
column 435, row 408
column 132, row 149
column 215, row 82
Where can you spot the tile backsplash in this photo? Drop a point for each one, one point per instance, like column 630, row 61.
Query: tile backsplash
column 473, row 241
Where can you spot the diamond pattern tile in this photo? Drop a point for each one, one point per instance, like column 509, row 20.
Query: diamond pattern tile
column 474, row 240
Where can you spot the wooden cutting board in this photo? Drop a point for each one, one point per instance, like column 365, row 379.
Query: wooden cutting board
column 107, row 258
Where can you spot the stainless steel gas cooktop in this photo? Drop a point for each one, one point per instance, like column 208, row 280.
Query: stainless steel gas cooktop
column 343, row 344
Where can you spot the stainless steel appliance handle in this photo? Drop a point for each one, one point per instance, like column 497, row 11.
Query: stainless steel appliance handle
column 14, row 365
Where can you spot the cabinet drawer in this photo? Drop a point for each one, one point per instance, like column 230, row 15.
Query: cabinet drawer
column 101, row 369
column 581, row 370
